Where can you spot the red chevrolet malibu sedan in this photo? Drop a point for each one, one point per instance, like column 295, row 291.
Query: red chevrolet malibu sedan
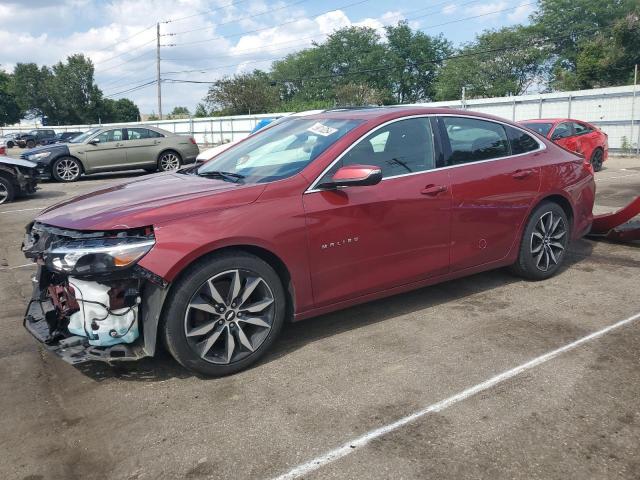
column 304, row 218
column 574, row 135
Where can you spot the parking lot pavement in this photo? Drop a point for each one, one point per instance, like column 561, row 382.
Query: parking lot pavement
column 338, row 377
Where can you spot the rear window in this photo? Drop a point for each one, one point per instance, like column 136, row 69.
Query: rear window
column 540, row 127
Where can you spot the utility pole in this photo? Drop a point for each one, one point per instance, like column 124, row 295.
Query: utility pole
column 633, row 108
column 158, row 70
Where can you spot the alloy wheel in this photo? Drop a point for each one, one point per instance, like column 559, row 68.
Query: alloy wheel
column 169, row 161
column 229, row 316
column 4, row 193
column 548, row 241
column 68, row 170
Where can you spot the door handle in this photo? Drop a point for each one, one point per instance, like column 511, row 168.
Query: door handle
column 521, row 174
column 433, row 190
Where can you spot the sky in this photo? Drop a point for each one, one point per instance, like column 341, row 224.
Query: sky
column 203, row 40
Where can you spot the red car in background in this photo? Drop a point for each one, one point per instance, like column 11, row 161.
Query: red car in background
column 574, row 135
column 302, row 218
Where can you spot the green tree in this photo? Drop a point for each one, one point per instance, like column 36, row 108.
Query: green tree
column 579, row 29
column 498, row 63
column 76, row 98
column 179, row 112
column 354, row 94
column 414, row 59
column 352, row 55
column 201, row 111
column 118, row 111
column 242, row 94
column 9, row 109
column 31, row 85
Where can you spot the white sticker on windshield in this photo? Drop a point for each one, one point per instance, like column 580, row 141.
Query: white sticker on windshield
column 320, row 129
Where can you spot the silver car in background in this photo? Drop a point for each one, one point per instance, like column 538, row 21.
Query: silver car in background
column 113, row 148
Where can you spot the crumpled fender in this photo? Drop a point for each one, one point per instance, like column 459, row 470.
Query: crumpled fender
column 618, row 225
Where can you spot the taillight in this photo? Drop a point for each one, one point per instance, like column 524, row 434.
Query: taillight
column 587, row 165
column 192, row 140
column 3, row 151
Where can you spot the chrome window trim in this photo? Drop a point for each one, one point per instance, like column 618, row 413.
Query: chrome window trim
column 541, row 147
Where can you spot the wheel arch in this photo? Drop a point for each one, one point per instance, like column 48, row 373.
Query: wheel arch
column 273, row 260
column 563, row 202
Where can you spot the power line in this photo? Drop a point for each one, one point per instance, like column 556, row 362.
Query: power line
column 125, row 62
column 119, row 42
column 531, row 42
column 325, row 34
column 289, row 5
column 125, row 53
column 138, row 87
column 270, row 27
column 232, row 4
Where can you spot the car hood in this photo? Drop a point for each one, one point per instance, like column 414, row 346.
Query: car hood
column 17, row 162
column 151, row 200
column 44, row 148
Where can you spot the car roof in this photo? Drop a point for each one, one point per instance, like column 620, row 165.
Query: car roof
column 392, row 112
column 150, row 127
column 551, row 120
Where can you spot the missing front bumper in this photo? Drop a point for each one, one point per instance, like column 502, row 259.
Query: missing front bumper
column 76, row 349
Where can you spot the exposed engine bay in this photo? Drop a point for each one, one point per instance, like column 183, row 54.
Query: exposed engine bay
column 91, row 301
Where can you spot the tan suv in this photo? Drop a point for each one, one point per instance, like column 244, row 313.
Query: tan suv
column 113, row 148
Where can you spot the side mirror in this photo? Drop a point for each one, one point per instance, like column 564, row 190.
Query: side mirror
column 94, row 141
column 354, row 176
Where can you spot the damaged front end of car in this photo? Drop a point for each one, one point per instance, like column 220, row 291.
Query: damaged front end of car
column 91, row 300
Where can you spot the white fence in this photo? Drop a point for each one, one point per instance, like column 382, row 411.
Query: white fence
column 612, row 109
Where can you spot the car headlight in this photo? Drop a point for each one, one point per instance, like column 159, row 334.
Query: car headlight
column 38, row 156
column 97, row 256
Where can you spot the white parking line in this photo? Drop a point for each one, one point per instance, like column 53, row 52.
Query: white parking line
column 18, row 266
column 352, row 445
column 24, row 210
column 619, row 176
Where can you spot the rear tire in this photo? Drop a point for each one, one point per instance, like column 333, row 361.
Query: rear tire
column 169, row 161
column 10, row 144
column 7, row 190
column 597, row 157
column 224, row 313
column 544, row 243
column 66, row 169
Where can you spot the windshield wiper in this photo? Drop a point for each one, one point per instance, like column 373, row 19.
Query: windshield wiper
column 226, row 176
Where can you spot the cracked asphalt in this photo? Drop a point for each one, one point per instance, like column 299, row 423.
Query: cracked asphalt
column 336, row 377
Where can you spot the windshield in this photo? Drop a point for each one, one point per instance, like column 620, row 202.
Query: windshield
column 279, row 151
column 541, row 128
column 84, row 136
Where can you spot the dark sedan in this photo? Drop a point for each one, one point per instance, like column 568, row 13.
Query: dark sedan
column 62, row 137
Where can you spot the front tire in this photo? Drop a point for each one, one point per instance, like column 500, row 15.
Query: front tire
column 31, row 144
column 224, row 313
column 7, row 190
column 544, row 243
column 169, row 161
column 66, row 169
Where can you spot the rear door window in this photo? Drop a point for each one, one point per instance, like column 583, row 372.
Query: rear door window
column 521, row 142
column 473, row 140
column 581, row 129
column 563, row 130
